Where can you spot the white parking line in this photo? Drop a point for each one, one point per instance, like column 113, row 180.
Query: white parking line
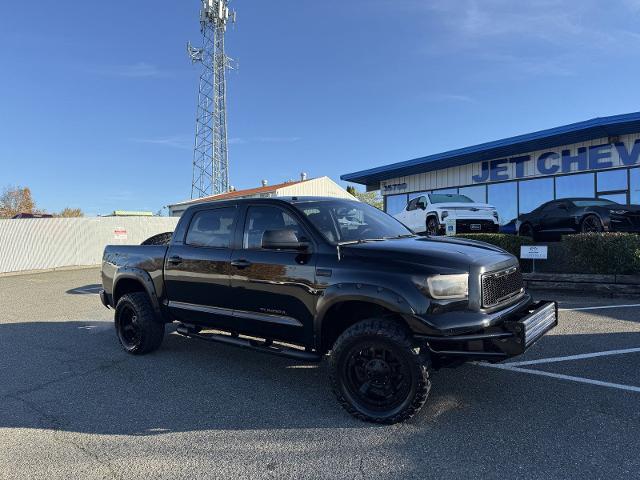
column 619, row 386
column 572, row 357
column 601, row 307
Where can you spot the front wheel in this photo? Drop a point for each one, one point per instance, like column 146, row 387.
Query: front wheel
column 376, row 373
column 137, row 327
column 432, row 226
column 591, row 223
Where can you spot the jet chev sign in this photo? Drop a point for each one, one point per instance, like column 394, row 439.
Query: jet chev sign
column 550, row 163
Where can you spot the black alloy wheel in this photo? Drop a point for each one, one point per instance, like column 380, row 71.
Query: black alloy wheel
column 432, row 226
column 377, row 373
column 591, row 223
column 375, row 377
column 128, row 329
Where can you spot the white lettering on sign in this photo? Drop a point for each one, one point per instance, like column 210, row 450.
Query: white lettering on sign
column 120, row 234
column 533, row 252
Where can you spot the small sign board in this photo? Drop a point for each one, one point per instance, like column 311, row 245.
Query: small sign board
column 533, row 252
column 120, row 234
column 450, row 226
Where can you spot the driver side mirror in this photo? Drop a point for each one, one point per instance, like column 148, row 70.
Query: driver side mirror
column 285, row 239
column 563, row 207
column 421, row 205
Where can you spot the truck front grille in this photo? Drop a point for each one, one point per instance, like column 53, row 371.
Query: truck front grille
column 498, row 287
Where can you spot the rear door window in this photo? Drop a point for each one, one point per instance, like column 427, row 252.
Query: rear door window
column 212, row 228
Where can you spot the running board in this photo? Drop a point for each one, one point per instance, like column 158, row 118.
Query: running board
column 251, row 344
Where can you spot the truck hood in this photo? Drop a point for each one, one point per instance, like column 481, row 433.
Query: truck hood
column 463, row 206
column 445, row 252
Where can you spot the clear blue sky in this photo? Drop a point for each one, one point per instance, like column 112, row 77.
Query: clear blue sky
column 97, row 99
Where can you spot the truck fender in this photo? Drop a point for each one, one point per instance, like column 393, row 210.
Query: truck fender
column 142, row 277
column 344, row 292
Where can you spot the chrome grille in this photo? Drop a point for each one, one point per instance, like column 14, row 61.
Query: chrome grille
column 498, row 287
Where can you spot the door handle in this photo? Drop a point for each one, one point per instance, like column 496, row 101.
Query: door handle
column 175, row 260
column 241, row 263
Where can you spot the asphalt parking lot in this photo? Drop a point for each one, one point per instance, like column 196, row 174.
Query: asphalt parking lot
column 74, row 405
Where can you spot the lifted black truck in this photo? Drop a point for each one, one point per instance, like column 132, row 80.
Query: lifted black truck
column 304, row 277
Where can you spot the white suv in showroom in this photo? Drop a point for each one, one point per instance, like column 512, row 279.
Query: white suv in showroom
column 428, row 213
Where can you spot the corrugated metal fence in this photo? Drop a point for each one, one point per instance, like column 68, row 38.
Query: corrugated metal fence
column 44, row 243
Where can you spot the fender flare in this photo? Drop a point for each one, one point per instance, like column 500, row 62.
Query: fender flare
column 375, row 294
column 603, row 221
column 142, row 277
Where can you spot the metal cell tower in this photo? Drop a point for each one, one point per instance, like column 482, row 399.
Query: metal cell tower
column 210, row 160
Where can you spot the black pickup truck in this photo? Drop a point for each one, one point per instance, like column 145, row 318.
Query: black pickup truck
column 303, row 277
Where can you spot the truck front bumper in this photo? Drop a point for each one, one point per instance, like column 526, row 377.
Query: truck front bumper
column 512, row 336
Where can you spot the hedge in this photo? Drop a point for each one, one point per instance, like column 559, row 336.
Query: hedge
column 612, row 253
column 510, row 243
column 597, row 253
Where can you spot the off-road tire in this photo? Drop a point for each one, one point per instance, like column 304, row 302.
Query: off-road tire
column 397, row 338
column 134, row 310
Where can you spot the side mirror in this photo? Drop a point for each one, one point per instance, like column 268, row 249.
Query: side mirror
column 421, row 205
column 562, row 206
column 285, row 239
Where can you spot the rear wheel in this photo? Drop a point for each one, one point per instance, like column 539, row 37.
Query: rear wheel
column 138, row 329
column 432, row 226
column 591, row 223
column 376, row 374
column 526, row 230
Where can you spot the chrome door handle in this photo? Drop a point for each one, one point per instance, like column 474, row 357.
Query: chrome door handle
column 175, row 260
column 241, row 263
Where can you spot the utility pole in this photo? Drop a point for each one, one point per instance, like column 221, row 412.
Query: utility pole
column 210, row 156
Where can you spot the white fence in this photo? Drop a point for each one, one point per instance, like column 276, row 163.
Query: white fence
column 46, row 243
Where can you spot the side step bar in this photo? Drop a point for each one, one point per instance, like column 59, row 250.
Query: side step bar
column 250, row 344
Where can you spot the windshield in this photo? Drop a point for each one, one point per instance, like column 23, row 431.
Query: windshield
column 347, row 221
column 448, row 197
column 593, row 203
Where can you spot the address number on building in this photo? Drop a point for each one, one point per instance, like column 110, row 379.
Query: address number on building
column 533, row 252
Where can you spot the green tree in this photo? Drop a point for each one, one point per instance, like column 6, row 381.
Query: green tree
column 352, row 190
column 372, row 198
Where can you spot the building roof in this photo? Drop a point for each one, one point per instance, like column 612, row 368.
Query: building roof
column 574, row 133
column 242, row 193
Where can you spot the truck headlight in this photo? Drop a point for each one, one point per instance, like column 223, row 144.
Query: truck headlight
column 448, row 287
column 444, row 214
column 618, row 212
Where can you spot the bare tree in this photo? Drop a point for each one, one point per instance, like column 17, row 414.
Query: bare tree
column 15, row 200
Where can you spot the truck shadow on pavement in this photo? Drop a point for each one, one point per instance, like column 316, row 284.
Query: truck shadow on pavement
column 73, row 376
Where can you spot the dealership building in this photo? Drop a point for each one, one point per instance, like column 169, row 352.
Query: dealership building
column 594, row 158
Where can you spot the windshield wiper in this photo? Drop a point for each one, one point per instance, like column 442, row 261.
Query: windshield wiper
column 362, row 240
column 404, row 235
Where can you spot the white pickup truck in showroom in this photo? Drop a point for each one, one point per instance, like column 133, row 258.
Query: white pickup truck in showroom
column 429, row 213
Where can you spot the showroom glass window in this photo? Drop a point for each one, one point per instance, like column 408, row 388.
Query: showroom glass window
column 534, row 193
column 396, row 203
column 612, row 180
column 634, row 181
column 581, row 185
column 413, row 195
column 446, row 190
column 504, row 196
column 477, row 193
